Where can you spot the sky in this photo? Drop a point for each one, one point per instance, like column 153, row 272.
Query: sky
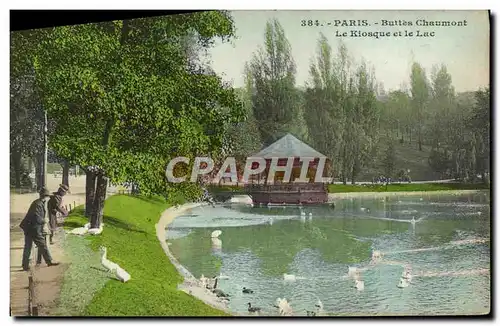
column 464, row 50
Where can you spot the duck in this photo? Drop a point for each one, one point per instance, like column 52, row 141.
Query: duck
column 245, row 290
column 253, row 309
column 402, row 283
column 289, row 277
column 216, row 233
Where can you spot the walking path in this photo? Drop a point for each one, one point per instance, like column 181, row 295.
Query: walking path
column 48, row 280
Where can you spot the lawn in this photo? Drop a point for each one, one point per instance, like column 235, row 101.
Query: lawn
column 130, row 237
column 405, row 187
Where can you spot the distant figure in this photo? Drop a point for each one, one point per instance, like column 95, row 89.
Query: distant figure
column 33, row 227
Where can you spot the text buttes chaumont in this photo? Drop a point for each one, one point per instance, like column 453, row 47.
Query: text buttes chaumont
column 399, row 22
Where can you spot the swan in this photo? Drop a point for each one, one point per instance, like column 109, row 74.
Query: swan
column 203, row 281
column 479, row 213
column 109, row 265
column 216, row 233
column 310, row 215
column 271, row 221
column 363, row 209
column 376, row 254
column 302, row 213
column 421, row 199
column 319, row 307
column 284, row 307
column 360, row 285
column 94, row 231
column 402, row 283
column 245, row 290
column 121, row 274
column 413, row 221
column 253, row 309
column 352, row 271
column 79, row 231
column 289, row 277
column 216, row 243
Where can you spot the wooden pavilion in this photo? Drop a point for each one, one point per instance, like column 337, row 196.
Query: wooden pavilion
column 264, row 191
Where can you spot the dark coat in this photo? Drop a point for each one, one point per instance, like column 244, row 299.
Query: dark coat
column 34, row 219
column 54, row 206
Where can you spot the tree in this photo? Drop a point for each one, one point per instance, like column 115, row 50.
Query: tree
column 390, row 160
column 419, row 97
column 274, row 98
column 323, row 110
column 127, row 97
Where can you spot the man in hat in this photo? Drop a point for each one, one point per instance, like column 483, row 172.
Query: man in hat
column 55, row 206
column 32, row 225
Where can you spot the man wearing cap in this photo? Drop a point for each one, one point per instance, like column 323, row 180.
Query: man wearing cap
column 32, row 225
column 55, row 206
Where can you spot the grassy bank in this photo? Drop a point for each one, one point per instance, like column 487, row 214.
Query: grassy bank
column 340, row 188
column 405, row 187
column 130, row 237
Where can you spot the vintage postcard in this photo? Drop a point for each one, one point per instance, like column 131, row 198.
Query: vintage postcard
column 252, row 163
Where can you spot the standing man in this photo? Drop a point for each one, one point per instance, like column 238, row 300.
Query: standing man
column 32, row 225
column 55, row 206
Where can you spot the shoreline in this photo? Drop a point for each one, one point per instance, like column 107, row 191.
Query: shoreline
column 363, row 194
column 190, row 285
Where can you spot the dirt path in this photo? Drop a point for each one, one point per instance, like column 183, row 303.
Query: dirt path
column 48, row 280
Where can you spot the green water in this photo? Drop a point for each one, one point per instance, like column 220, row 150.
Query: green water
column 260, row 244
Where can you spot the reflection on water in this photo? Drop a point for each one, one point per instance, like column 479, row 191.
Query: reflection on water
column 448, row 248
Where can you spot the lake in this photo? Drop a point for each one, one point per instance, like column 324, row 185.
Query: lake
column 448, row 249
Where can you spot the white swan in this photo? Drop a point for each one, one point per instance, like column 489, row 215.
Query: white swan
column 363, row 209
column 289, row 277
column 319, row 306
column 360, row 285
column 302, row 213
column 216, row 233
column 310, row 215
column 216, row 243
column 79, row 231
column 95, row 231
column 352, row 271
column 203, row 281
column 109, row 265
column 121, row 274
column 271, row 221
column 402, row 283
column 376, row 254
column 284, row 307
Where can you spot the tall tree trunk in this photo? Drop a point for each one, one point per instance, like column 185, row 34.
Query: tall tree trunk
column 90, row 189
column 65, row 174
column 39, row 171
column 16, row 162
column 99, row 198
column 419, row 138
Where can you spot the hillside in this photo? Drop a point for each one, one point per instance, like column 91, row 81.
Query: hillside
column 407, row 156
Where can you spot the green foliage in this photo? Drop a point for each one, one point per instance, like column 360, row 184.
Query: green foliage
column 130, row 237
column 275, row 100
column 389, row 162
column 128, row 96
